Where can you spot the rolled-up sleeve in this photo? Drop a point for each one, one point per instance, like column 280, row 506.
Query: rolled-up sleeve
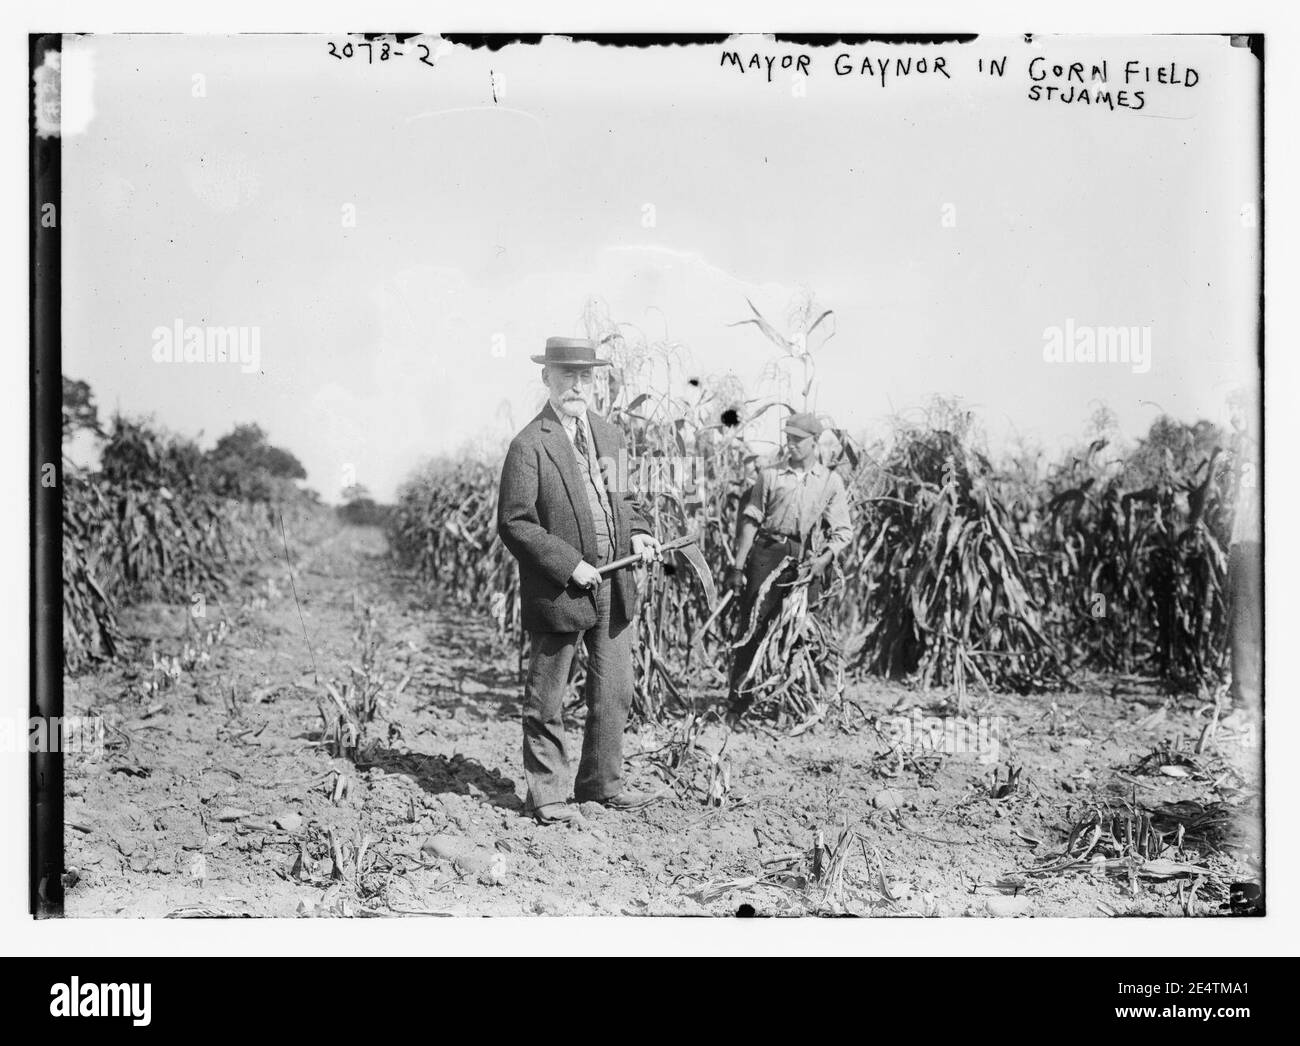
column 838, row 518
column 755, row 508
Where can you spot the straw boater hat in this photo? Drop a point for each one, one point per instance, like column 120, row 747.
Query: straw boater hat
column 570, row 352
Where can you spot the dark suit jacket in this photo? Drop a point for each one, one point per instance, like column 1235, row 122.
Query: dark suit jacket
column 544, row 519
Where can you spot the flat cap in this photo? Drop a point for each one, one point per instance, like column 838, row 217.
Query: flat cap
column 804, row 424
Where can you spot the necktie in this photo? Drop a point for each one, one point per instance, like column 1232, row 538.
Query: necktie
column 580, row 441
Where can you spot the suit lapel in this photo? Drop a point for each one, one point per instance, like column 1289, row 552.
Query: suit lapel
column 560, row 451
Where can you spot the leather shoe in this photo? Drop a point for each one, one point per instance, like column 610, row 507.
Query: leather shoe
column 627, row 799
column 555, row 813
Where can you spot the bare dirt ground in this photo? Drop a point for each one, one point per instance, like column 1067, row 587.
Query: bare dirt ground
column 217, row 795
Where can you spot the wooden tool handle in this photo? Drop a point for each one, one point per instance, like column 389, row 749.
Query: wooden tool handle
column 627, row 561
column 722, row 604
column 619, row 564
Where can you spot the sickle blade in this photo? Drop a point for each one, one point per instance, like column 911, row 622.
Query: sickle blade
column 691, row 555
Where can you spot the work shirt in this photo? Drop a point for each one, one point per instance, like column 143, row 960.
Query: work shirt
column 597, row 496
column 785, row 502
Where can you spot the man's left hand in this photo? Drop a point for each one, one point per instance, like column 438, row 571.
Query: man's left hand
column 647, row 547
column 822, row 563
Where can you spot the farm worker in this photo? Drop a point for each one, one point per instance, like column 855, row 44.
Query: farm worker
column 561, row 518
column 797, row 508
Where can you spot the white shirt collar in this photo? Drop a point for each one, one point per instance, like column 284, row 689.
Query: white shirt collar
column 817, row 468
column 570, row 424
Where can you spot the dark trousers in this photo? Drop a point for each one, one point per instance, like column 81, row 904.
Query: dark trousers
column 1246, row 620
column 609, row 700
column 763, row 559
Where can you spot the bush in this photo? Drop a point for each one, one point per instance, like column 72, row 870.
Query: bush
column 155, row 521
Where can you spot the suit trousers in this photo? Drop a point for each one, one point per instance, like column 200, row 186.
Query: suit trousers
column 608, row 693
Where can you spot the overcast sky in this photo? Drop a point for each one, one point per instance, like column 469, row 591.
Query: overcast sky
column 947, row 220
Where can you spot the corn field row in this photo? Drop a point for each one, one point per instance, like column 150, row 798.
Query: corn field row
column 962, row 574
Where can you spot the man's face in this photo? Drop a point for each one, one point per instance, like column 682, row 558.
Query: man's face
column 569, row 388
column 801, row 448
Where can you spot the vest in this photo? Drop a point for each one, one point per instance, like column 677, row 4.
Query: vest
column 597, row 497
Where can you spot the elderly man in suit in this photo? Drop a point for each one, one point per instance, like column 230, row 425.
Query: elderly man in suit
column 562, row 516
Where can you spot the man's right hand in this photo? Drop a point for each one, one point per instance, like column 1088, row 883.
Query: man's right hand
column 586, row 576
column 736, row 579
